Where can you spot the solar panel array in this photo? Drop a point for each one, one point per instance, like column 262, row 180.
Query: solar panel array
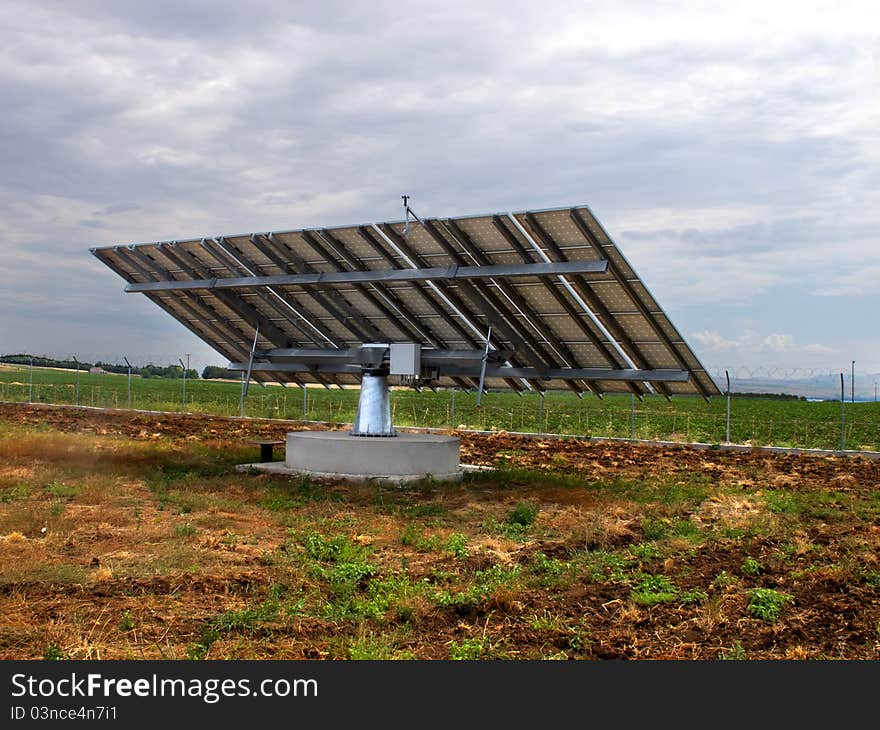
column 587, row 320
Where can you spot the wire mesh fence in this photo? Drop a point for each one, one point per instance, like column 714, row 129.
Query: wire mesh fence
column 760, row 421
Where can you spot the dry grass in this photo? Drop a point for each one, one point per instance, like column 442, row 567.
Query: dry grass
column 119, row 546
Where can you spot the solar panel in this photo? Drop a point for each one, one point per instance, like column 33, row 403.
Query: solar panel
column 532, row 300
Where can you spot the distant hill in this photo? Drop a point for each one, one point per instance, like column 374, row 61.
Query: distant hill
column 824, row 387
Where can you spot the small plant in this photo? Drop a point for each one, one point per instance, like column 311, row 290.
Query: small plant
column 687, row 529
column 547, row 622
column 62, row 491
column 456, row 544
column 277, row 502
column 693, row 597
column 186, row 529
column 468, row 649
column 53, row 653
column 607, row 567
column 644, row 551
column 370, row 648
column 654, row 529
column 578, row 641
column 411, row 534
column 523, row 514
column 486, row 583
column 246, row 621
column 198, row 650
column 723, row 580
column 127, row 622
column 735, row 653
column 422, row 510
column 751, row 566
column 767, row 603
column 549, row 569
column 21, row 491
column 654, row 589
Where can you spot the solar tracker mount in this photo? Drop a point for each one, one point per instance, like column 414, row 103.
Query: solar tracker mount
column 528, row 301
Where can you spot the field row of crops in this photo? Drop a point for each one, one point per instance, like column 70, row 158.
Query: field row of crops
column 757, row 421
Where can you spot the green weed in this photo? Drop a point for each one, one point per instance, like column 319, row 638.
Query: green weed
column 53, row 653
column 186, row 529
column 523, row 514
column 467, row 649
column 735, row 653
column 751, row 566
column 61, row 490
column 126, row 622
column 767, row 603
column 653, row 589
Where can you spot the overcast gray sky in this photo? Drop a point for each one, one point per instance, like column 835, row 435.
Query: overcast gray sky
column 730, row 149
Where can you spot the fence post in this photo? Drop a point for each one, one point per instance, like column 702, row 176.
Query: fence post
column 183, row 396
column 305, row 402
column 632, row 415
column 842, row 415
column 31, row 382
column 129, row 381
column 727, row 426
column 241, row 396
column 541, row 413
column 77, row 379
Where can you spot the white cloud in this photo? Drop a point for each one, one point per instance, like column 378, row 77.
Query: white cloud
column 732, row 151
column 752, row 342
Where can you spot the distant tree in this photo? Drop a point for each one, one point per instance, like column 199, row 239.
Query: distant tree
column 45, row 362
column 168, row 371
column 215, row 371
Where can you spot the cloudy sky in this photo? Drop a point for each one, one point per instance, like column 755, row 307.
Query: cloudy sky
column 730, row 149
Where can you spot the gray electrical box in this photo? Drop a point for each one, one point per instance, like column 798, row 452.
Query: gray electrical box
column 406, row 358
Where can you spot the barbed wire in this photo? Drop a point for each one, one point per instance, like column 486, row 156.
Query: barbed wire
column 717, row 372
column 742, row 372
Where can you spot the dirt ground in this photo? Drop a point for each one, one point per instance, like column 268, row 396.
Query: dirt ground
column 132, row 536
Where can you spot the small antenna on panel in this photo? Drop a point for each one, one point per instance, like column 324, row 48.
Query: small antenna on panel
column 406, row 211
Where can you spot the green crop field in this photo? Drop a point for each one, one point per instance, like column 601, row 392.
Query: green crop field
column 757, row 421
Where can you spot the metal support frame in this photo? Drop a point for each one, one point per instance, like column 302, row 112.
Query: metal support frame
column 519, row 308
column 328, row 299
column 440, row 289
column 430, row 295
column 484, row 361
column 370, row 276
column 249, row 314
column 376, row 294
column 185, row 307
column 436, row 365
column 246, row 376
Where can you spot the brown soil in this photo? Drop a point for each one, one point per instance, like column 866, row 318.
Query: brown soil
column 101, row 558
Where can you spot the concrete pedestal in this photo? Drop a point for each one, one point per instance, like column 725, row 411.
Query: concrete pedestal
column 338, row 455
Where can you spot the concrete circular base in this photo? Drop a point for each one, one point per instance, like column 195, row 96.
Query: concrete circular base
column 405, row 457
